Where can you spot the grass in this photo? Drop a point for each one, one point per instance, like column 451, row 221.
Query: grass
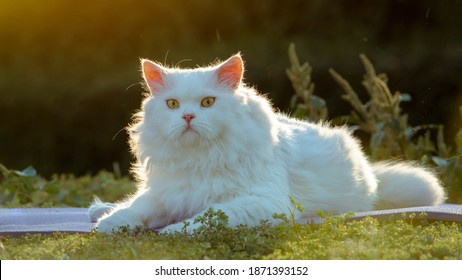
column 334, row 239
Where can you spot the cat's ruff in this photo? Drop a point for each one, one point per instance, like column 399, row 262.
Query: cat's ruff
column 204, row 139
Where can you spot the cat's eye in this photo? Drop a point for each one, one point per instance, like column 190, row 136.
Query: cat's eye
column 173, row 103
column 208, row 101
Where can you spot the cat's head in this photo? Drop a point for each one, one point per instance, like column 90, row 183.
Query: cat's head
column 188, row 106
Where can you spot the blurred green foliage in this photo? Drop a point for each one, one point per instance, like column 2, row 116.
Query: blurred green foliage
column 27, row 189
column 69, row 73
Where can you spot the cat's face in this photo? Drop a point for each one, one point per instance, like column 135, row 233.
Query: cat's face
column 191, row 107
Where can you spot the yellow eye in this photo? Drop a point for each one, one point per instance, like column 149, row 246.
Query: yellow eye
column 208, row 101
column 173, row 103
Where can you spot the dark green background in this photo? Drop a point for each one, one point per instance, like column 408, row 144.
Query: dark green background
column 69, row 70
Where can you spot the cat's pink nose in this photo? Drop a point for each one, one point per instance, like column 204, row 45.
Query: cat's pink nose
column 188, row 118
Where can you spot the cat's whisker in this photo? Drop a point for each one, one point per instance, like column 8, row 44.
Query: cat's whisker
column 134, row 84
column 219, row 147
column 216, row 142
column 181, row 61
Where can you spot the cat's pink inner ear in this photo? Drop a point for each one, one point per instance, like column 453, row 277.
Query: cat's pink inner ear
column 230, row 72
column 153, row 75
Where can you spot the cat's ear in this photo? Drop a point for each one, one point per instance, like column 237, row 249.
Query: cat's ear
column 230, row 72
column 153, row 74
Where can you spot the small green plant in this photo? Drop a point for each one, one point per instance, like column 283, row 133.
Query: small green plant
column 215, row 234
column 382, row 118
column 304, row 103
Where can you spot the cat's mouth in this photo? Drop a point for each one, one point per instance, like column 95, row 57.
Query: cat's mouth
column 189, row 129
column 189, row 136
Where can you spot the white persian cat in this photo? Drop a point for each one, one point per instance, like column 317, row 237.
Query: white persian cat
column 203, row 139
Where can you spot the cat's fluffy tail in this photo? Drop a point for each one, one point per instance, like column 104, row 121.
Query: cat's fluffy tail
column 402, row 185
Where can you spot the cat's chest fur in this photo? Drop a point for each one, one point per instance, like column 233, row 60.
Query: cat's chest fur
column 212, row 171
column 191, row 185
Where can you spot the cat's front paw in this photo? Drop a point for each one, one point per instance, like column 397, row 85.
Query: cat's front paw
column 180, row 227
column 114, row 223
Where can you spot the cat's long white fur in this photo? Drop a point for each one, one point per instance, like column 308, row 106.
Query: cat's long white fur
column 247, row 160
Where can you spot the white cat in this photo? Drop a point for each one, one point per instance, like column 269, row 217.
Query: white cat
column 204, row 139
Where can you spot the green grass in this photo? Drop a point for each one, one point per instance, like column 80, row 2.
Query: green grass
column 334, row 239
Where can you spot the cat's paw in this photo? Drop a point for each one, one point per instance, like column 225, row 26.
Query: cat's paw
column 98, row 208
column 114, row 223
column 180, row 227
